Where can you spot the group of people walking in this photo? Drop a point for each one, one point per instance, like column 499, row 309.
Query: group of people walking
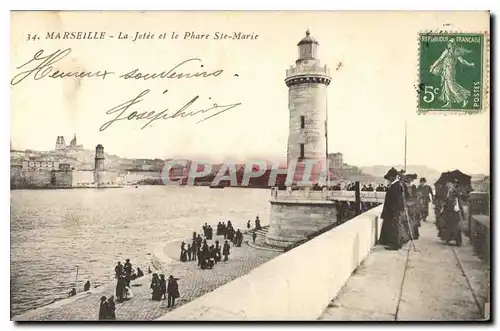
column 206, row 255
column 164, row 290
column 124, row 273
column 405, row 207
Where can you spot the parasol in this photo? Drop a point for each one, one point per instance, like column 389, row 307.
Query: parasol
column 455, row 175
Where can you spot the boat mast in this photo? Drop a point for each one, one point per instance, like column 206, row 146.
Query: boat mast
column 405, row 143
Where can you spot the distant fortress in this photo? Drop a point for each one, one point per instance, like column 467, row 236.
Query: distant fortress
column 61, row 143
column 53, row 171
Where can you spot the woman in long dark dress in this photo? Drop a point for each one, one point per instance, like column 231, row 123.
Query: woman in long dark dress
column 451, row 212
column 183, row 257
column 103, row 309
column 163, row 287
column 155, row 286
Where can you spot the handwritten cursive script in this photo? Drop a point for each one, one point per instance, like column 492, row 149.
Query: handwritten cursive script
column 41, row 66
column 124, row 111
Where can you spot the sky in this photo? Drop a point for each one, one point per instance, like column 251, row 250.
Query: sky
column 373, row 58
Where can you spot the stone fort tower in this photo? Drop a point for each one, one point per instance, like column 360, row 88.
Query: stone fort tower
column 99, row 164
column 307, row 102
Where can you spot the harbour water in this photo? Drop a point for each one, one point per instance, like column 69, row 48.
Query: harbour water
column 54, row 231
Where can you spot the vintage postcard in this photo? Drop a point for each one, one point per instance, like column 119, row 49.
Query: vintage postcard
column 250, row 166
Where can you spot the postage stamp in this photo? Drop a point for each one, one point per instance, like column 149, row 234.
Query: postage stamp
column 451, row 72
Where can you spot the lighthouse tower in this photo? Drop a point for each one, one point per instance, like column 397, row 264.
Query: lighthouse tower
column 295, row 216
column 99, row 164
column 307, row 82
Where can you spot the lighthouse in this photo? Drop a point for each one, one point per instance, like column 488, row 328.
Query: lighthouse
column 307, row 82
column 99, row 164
column 296, row 214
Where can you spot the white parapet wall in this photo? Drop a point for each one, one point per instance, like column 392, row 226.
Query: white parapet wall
column 297, row 285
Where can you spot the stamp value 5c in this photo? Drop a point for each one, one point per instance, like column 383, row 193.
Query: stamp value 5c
column 451, row 72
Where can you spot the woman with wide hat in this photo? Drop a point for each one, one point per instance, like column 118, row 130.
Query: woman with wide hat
column 393, row 213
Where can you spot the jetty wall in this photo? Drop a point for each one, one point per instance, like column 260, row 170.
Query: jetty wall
column 297, row 285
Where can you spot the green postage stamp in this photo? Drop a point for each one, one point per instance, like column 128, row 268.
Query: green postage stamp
column 451, row 72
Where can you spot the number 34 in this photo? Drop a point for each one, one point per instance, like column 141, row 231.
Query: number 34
column 430, row 93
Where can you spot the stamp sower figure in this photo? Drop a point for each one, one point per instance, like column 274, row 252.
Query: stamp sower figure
column 445, row 67
column 172, row 291
column 425, row 196
column 391, row 233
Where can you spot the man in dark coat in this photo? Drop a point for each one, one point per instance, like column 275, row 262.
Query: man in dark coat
column 194, row 250
column 226, row 250
column 392, row 227
column 118, row 269
column 111, row 308
column 172, row 291
column 425, row 196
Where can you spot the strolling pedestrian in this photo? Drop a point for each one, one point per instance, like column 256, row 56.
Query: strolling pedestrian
column 72, row 292
column 111, row 307
column 118, row 269
column 254, row 236
column 183, row 257
column 86, row 287
column 140, row 273
column 172, row 291
column 127, row 267
column 194, row 250
column 393, row 213
column 163, row 286
column 155, row 286
column 217, row 249
column 226, row 250
column 189, row 252
column 248, row 225
column 103, row 309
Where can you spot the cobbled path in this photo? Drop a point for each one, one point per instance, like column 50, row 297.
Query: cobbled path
column 193, row 283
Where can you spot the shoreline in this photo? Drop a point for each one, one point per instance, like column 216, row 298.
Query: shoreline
column 193, row 284
column 65, row 188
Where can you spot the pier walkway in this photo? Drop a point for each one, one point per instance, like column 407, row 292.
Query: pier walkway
column 193, row 283
column 437, row 282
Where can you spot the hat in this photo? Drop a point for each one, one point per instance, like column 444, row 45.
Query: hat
column 392, row 173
